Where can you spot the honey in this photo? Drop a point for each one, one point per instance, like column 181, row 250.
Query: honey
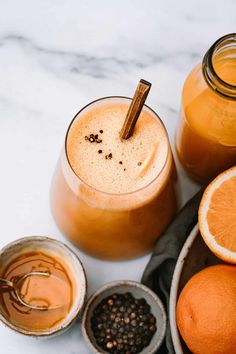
column 54, row 292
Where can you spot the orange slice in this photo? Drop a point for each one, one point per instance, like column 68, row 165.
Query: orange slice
column 217, row 216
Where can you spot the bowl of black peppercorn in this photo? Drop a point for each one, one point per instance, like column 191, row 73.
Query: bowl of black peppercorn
column 124, row 317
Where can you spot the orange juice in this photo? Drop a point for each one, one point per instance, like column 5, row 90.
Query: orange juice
column 112, row 197
column 206, row 136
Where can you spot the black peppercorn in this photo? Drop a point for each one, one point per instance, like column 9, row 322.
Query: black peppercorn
column 152, row 319
column 116, row 325
column 120, row 347
column 127, row 327
column 122, row 324
column 122, row 309
column 110, row 302
column 132, row 315
column 138, row 341
column 112, row 316
column 121, row 330
column 109, row 345
column 152, row 328
column 114, row 332
column 126, row 320
column 133, row 323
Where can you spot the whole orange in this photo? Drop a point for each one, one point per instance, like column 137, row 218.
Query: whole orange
column 206, row 311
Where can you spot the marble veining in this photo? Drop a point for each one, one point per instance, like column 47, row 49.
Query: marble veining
column 55, row 57
column 96, row 67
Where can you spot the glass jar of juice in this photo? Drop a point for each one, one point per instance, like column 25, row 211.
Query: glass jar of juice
column 113, row 198
column 206, row 135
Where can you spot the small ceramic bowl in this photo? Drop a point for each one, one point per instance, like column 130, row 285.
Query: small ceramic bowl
column 53, row 248
column 138, row 291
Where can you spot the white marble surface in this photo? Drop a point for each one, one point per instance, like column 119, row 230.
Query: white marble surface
column 55, row 56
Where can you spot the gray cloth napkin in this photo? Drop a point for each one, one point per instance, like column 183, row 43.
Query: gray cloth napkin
column 159, row 271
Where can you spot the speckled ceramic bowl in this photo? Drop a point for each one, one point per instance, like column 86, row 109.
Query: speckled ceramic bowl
column 195, row 256
column 54, row 248
column 138, row 291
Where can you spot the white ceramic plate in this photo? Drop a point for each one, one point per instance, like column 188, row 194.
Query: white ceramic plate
column 195, row 255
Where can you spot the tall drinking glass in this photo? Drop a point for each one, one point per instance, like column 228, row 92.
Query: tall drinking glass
column 113, row 199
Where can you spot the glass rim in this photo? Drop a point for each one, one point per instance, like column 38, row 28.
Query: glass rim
column 209, row 72
column 98, row 190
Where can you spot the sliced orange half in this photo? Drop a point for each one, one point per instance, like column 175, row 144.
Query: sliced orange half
column 217, row 216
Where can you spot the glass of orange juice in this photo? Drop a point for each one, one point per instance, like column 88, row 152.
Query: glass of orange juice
column 112, row 198
column 206, row 135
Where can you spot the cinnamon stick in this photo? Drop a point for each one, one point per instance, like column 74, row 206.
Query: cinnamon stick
column 135, row 108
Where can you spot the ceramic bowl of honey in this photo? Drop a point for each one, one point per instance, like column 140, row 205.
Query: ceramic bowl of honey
column 53, row 288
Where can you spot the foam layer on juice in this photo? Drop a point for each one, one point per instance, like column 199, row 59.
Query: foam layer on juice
column 104, row 161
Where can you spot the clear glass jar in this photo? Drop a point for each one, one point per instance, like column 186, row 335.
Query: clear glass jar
column 206, row 135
